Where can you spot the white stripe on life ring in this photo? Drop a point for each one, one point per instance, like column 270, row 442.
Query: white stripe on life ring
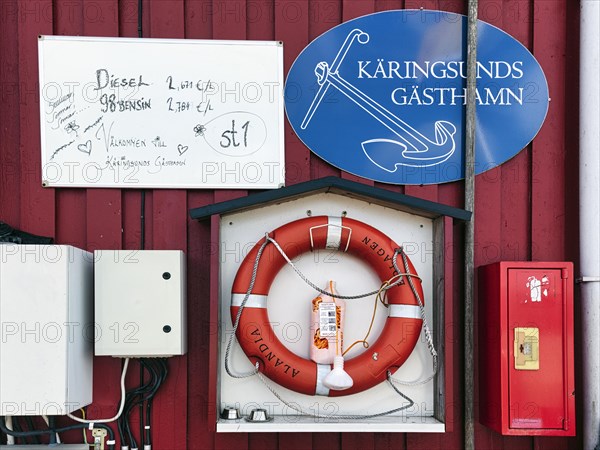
column 406, row 311
column 254, row 300
column 334, row 232
column 322, row 371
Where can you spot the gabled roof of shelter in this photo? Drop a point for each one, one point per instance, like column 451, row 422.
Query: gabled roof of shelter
column 334, row 185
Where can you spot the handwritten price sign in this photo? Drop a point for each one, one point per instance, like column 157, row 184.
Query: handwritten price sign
column 116, row 118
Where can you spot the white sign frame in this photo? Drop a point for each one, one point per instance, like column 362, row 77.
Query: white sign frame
column 161, row 113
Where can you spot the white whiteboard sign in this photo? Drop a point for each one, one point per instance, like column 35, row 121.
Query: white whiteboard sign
column 161, row 113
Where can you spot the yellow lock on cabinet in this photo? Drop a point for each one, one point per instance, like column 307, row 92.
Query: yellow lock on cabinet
column 527, row 348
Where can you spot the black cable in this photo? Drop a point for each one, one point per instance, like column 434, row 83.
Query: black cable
column 149, row 423
column 140, row 16
column 31, row 426
column 164, row 372
column 131, row 399
column 17, row 427
column 151, row 389
column 139, row 396
column 51, row 426
column 132, row 441
column 141, row 407
column 142, row 245
column 143, row 198
column 148, row 429
column 149, row 404
column 143, row 221
column 53, row 431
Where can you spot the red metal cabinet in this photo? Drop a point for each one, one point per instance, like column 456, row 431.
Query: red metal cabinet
column 526, row 372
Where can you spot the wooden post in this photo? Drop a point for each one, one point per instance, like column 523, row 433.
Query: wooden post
column 470, row 225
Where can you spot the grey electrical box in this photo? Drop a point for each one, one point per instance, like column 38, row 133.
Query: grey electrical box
column 46, row 350
column 140, row 303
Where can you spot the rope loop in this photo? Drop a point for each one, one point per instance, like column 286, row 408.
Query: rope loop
column 380, row 293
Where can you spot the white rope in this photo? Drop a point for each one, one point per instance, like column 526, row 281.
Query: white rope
column 323, row 291
column 391, row 380
column 239, row 315
column 426, row 329
column 303, row 412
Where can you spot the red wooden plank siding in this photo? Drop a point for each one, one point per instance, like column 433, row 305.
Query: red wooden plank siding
column 324, row 15
column 326, row 441
column 228, row 22
column 198, row 19
column 520, row 209
column 264, row 441
column 396, row 441
column 428, row 192
column 202, row 341
column 452, row 439
column 548, row 173
column 291, row 27
column 71, row 218
column 385, row 5
column 131, row 212
column 571, row 114
column 547, row 184
column 128, row 18
column 10, row 125
column 169, row 219
column 104, row 228
column 450, row 341
column 358, row 441
column 515, row 179
column 223, row 441
column 70, row 203
column 34, row 18
column 352, row 9
column 454, row 334
column 488, row 198
column 262, row 27
column 103, row 222
column 449, row 193
column 202, row 252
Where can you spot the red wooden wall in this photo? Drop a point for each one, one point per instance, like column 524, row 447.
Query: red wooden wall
column 525, row 209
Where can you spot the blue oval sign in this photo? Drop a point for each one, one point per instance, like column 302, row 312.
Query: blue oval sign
column 383, row 96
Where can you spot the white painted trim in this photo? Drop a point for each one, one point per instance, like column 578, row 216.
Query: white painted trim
column 299, row 424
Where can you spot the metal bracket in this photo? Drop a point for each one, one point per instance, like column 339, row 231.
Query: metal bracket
column 583, row 279
column 99, row 435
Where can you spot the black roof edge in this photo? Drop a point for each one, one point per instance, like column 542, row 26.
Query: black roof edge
column 426, row 207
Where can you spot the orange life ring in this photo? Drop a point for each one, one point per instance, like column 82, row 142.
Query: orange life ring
column 256, row 337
